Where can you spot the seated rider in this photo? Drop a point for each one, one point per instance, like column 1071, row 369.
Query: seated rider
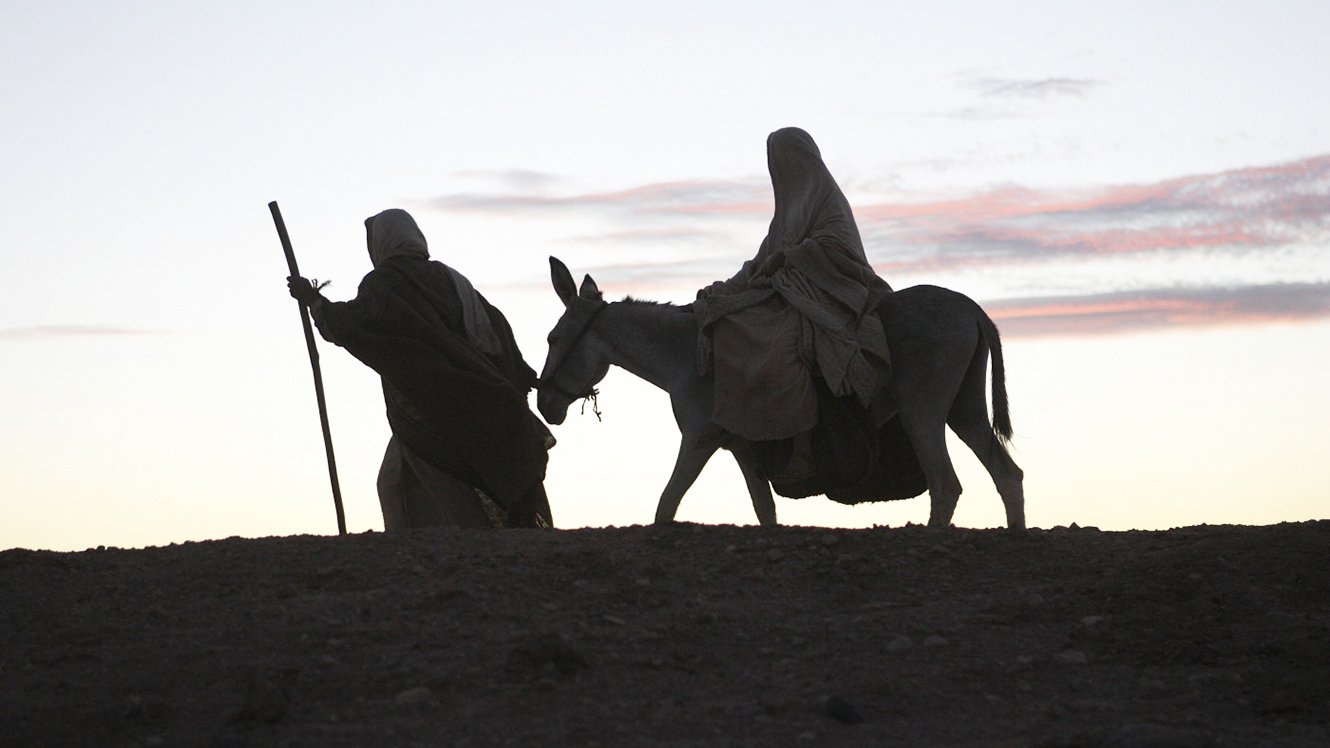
column 804, row 306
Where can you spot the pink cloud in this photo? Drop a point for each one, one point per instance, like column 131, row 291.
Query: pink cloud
column 1161, row 308
column 1243, row 208
column 1269, row 211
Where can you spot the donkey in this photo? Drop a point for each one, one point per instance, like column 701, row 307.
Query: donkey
column 940, row 341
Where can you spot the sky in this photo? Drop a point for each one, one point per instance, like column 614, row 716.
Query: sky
column 1138, row 193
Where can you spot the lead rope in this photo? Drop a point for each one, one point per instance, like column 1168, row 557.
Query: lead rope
column 595, row 406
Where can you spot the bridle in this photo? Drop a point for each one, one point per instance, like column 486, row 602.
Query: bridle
column 547, row 381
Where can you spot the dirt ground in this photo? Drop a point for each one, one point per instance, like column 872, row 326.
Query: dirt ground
column 681, row 635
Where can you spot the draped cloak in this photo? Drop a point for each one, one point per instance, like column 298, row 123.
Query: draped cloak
column 454, row 381
column 764, row 335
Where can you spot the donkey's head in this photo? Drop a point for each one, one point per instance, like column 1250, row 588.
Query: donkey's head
column 578, row 358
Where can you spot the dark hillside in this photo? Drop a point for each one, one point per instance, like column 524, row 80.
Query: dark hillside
column 686, row 635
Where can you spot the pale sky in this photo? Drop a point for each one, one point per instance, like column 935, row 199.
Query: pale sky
column 1138, row 192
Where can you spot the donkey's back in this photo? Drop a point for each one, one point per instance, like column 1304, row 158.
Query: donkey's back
column 940, row 342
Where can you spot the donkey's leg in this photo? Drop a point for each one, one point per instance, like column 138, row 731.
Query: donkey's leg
column 687, row 466
column 1007, row 475
column 928, row 435
column 969, row 419
column 759, row 490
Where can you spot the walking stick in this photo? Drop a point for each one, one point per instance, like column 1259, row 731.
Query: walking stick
column 314, row 363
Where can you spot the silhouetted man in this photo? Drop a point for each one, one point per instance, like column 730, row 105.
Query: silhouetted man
column 465, row 451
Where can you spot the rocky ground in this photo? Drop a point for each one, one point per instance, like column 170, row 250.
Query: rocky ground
column 682, row 635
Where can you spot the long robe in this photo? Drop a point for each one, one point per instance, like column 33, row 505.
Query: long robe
column 454, row 380
column 767, row 332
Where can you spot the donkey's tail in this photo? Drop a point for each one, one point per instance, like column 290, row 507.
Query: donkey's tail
column 1001, row 415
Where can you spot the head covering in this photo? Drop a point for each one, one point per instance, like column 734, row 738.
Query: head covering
column 394, row 233
column 809, row 203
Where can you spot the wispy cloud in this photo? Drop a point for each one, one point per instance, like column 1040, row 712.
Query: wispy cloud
column 1233, row 247
column 42, row 332
column 1154, row 308
column 1246, row 208
column 1034, row 88
column 514, row 179
column 651, row 235
column 696, row 196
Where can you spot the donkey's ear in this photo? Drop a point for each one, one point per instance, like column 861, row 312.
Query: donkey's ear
column 589, row 289
column 563, row 281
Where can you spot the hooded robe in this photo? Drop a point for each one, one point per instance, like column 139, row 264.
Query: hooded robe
column 454, row 381
column 766, row 332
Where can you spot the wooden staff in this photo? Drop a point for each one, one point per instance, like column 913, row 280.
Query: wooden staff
column 314, row 363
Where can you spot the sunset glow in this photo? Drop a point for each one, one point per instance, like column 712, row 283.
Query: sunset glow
column 1138, row 194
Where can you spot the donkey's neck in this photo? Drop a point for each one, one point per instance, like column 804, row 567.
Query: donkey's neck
column 656, row 342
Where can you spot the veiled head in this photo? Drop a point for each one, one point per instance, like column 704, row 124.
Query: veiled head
column 394, row 233
column 809, row 203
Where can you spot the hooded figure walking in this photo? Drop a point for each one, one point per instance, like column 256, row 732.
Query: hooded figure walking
column 466, row 451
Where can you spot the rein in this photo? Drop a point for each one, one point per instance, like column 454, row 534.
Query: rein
column 547, row 381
